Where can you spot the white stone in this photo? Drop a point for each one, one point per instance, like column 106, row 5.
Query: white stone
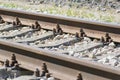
column 76, row 54
column 51, row 78
column 112, row 44
column 113, row 62
column 71, row 53
column 94, row 51
column 87, row 39
column 92, row 55
column 104, row 60
column 27, row 77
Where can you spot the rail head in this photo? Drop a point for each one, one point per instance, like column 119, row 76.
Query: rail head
column 100, row 26
column 60, row 57
column 92, row 28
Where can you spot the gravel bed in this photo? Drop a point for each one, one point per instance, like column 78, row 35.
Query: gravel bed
column 7, row 71
column 92, row 51
column 27, row 77
column 78, row 46
column 104, row 55
column 15, row 32
column 5, row 26
column 59, row 39
column 31, row 36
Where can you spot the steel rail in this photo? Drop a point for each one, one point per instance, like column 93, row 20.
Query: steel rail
column 113, row 28
column 71, row 25
column 68, row 67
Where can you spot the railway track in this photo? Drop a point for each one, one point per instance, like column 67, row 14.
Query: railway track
column 49, row 49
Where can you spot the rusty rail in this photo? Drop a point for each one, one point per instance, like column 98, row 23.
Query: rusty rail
column 112, row 28
column 63, row 67
column 71, row 25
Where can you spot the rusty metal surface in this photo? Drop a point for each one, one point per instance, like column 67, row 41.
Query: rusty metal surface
column 66, row 28
column 69, row 25
column 63, row 67
column 63, row 20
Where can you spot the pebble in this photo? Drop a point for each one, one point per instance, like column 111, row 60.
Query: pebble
column 110, row 60
column 76, row 54
column 33, row 78
column 71, row 53
column 112, row 44
column 57, row 39
column 102, row 54
column 14, row 32
column 81, row 46
column 28, row 36
column 5, row 25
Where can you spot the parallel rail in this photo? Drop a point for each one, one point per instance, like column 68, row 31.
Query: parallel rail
column 70, row 25
column 63, row 67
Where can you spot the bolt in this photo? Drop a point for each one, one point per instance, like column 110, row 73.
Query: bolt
column 79, row 77
column 81, row 30
column 13, row 60
column 82, row 33
column 7, row 62
column 59, row 30
column 13, row 57
column 37, row 26
column 18, row 22
column 44, row 67
column 107, row 37
column 37, row 72
column 107, row 34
